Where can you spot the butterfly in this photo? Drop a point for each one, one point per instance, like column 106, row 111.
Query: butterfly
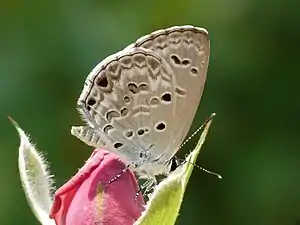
column 140, row 102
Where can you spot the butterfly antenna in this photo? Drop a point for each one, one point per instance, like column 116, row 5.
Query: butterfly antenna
column 189, row 138
column 200, row 167
column 198, row 129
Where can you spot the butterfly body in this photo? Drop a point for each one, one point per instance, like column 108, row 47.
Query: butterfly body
column 141, row 101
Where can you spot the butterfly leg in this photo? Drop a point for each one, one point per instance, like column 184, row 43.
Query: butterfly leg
column 149, row 185
column 139, row 191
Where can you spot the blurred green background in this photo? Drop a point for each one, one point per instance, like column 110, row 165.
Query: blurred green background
column 47, row 48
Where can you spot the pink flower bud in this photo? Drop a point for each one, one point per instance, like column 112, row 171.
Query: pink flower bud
column 87, row 198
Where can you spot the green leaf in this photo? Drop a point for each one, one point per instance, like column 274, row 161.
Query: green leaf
column 36, row 180
column 164, row 204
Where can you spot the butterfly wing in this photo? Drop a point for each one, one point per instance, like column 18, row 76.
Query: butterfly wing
column 125, row 102
column 185, row 50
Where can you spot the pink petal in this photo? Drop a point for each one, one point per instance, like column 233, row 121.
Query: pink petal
column 85, row 199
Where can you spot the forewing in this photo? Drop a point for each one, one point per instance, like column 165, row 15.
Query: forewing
column 186, row 51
